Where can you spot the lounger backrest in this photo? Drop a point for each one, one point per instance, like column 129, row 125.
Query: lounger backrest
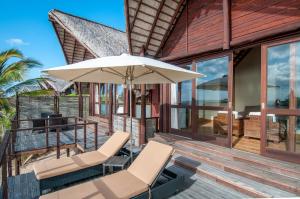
column 151, row 161
column 114, row 144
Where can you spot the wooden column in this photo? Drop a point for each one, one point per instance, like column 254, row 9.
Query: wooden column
column 227, row 23
column 143, row 107
column 80, row 101
column 143, row 115
column 110, row 110
column 293, row 103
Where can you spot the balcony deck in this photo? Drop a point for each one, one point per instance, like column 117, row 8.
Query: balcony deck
column 194, row 187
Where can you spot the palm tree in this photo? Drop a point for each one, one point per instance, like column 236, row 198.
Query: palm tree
column 13, row 66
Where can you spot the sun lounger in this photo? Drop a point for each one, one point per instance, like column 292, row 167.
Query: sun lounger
column 138, row 181
column 58, row 172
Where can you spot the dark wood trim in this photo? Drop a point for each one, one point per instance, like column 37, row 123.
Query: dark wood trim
column 126, row 11
column 226, row 21
column 154, row 23
column 230, row 99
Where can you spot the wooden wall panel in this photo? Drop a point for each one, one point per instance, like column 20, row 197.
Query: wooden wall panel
column 199, row 29
column 255, row 19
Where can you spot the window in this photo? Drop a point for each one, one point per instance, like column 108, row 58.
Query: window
column 181, row 93
column 212, row 90
column 101, row 99
column 119, row 103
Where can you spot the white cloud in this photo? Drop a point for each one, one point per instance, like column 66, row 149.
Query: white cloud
column 16, row 42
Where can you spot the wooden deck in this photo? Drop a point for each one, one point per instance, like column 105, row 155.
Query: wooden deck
column 194, row 187
column 34, row 142
column 249, row 173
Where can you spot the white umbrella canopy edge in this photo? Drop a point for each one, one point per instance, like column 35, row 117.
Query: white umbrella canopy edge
column 114, row 69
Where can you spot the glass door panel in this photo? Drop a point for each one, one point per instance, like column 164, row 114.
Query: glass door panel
column 212, row 100
column 281, row 94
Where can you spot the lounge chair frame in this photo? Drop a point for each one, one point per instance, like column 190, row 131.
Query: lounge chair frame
column 159, row 191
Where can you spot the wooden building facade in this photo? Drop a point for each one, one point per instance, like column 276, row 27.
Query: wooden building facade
column 248, row 50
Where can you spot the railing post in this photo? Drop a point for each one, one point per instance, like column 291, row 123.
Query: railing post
column 46, row 131
column 57, row 143
column 75, row 131
column 96, row 136
column 9, row 164
column 4, row 176
column 84, row 133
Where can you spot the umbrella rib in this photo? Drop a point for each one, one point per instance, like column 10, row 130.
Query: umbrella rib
column 114, row 72
column 72, row 80
column 141, row 75
column 160, row 74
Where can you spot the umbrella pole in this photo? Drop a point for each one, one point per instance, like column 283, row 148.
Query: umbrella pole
column 130, row 107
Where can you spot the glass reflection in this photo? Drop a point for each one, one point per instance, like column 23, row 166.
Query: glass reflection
column 278, row 83
column 212, row 90
column 278, row 135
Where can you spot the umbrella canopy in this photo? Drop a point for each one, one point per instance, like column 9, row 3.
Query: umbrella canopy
column 123, row 69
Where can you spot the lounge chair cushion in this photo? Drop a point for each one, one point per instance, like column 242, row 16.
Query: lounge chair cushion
column 56, row 167
column 151, row 161
column 119, row 185
column 114, row 143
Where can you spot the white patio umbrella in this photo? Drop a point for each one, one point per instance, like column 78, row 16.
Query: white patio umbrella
column 123, row 69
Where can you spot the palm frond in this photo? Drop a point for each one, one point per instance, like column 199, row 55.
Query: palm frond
column 4, row 104
column 14, row 72
column 27, row 86
column 8, row 54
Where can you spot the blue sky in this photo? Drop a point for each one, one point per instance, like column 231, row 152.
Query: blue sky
column 25, row 25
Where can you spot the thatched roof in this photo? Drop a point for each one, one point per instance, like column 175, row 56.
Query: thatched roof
column 149, row 23
column 82, row 39
column 57, row 84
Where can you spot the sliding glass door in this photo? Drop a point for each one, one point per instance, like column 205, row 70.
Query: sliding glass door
column 281, row 99
column 202, row 108
column 214, row 100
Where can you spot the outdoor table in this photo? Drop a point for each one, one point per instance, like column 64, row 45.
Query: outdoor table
column 116, row 162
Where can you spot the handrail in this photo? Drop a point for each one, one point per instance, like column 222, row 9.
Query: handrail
column 46, row 118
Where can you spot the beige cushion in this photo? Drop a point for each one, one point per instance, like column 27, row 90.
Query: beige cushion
column 151, row 161
column 114, row 143
column 56, row 167
column 121, row 185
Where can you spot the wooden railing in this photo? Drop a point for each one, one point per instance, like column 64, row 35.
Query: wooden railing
column 78, row 122
column 5, row 163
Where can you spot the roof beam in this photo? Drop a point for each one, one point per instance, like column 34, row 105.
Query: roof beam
column 73, row 53
column 154, row 24
column 135, row 15
column 171, row 24
column 128, row 28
